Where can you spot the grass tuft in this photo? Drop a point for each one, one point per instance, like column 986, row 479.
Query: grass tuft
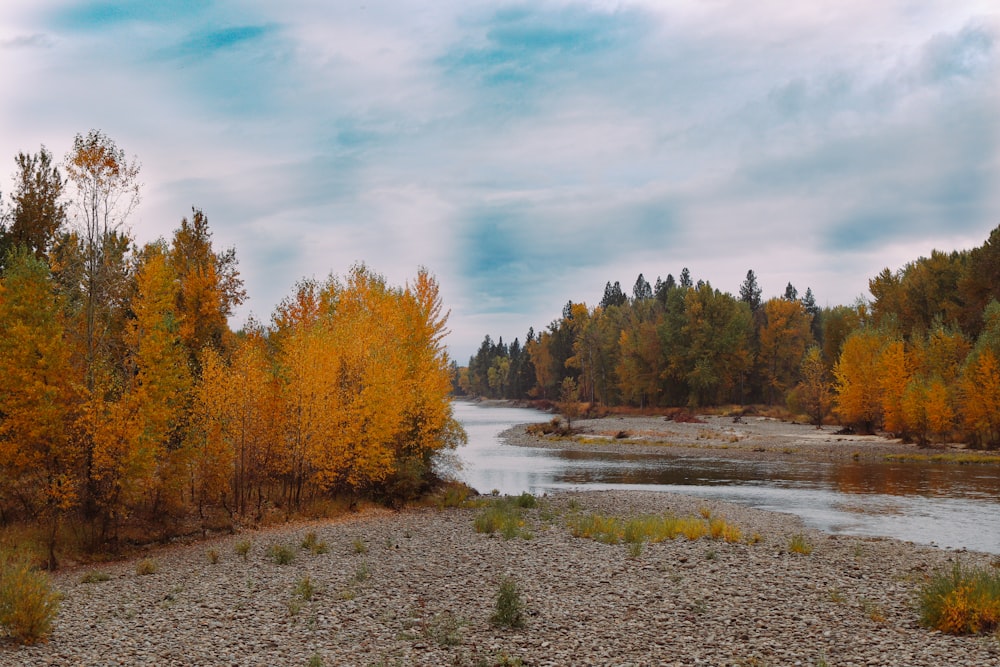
column 305, row 588
column 213, row 556
column 504, row 515
column 798, row 544
column 95, row 577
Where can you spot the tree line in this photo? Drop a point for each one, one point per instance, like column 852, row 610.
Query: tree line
column 127, row 404
column 919, row 359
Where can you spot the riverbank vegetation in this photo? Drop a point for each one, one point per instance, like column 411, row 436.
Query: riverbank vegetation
column 920, row 359
column 130, row 412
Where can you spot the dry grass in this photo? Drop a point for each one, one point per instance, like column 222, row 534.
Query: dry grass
column 28, row 604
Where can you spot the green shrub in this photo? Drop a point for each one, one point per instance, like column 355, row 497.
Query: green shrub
column 242, row 549
column 213, row 556
column 526, row 501
column 28, row 605
column 963, row 601
column 508, row 610
column 309, row 541
column 359, row 546
column 282, row 554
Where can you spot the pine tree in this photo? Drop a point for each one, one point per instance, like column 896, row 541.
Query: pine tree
column 750, row 292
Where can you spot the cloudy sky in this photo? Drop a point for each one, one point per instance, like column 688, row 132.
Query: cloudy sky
column 526, row 153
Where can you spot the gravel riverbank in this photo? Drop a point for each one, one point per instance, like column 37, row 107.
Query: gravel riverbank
column 752, row 438
column 417, row 588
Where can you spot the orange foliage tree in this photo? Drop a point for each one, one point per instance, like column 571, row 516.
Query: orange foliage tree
column 859, row 400
column 39, row 453
column 783, row 341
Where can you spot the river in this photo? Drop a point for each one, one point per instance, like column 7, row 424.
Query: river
column 947, row 505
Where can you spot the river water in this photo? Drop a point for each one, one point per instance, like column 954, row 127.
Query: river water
column 953, row 506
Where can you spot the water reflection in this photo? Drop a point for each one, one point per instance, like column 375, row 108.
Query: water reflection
column 949, row 505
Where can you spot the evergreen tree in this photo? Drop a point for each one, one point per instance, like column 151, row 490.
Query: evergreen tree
column 686, row 280
column 791, row 294
column 750, row 292
column 641, row 291
column 613, row 296
column 37, row 210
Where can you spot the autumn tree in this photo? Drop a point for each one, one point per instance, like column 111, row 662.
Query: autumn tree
column 161, row 382
column 981, row 393
column 815, row 392
column 39, row 453
column 859, row 399
column 92, row 259
column 209, row 286
column 706, row 344
column 980, row 382
column 640, row 362
column 894, row 375
column 783, row 341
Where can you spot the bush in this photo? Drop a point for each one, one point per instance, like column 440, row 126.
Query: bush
column 282, row 554
column 964, row 601
column 95, row 577
column 508, row 609
column 28, row 605
column 242, row 548
column 147, row 566
column 305, row 588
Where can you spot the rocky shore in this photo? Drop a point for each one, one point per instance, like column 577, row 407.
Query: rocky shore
column 418, row 587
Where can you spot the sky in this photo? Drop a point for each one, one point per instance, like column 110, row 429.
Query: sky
column 526, row 153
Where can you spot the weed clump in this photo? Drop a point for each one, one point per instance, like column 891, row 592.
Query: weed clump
column 282, row 554
column 242, row 549
column 147, row 566
column 963, row 601
column 508, row 610
column 28, row 604
column 305, row 588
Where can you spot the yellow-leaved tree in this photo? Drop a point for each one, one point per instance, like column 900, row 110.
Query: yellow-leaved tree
column 858, row 384
column 894, row 377
column 39, row 453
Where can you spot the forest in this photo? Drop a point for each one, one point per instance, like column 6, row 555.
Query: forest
column 919, row 359
column 130, row 411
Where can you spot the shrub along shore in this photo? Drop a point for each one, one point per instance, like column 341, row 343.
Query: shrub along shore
column 436, row 586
